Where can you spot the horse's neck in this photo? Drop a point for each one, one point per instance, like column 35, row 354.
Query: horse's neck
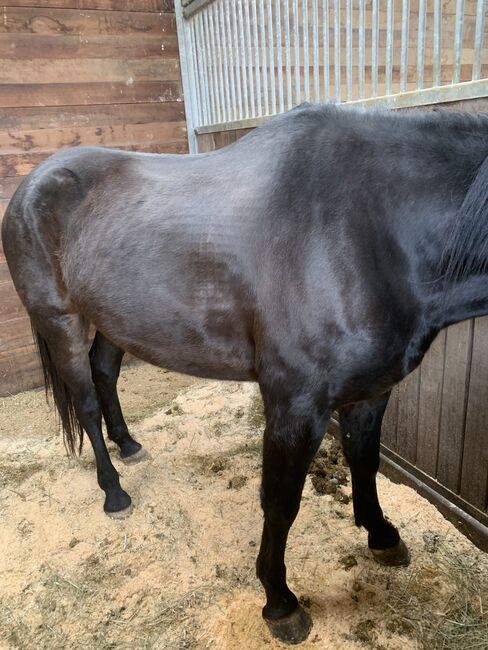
column 460, row 300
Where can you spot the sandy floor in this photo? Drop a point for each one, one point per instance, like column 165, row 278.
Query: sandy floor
column 179, row 572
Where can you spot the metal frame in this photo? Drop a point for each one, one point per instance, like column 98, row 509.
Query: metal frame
column 243, row 61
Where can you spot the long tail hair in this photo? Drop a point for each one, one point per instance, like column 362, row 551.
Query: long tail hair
column 63, row 399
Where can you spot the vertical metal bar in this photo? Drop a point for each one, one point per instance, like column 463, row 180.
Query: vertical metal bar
column 210, row 72
column 188, row 76
column 389, row 47
column 296, row 47
column 374, row 48
column 478, row 38
column 235, row 40
column 249, row 59
column 289, row 90
column 198, row 117
column 349, row 49
column 204, row 70
column 337, row 49
column 362, row 47
column 306, row 64
column 437, row 41
column 232, row 75
column 242, row 49
column 421, row 46
column 405, row 45
column 315, row 36
column 215, row 15
column 458, row 41
column 272, row 71
column 279, row 56
column 262, row 22
column 225, row 60
column 256, row 59
column 325, row 46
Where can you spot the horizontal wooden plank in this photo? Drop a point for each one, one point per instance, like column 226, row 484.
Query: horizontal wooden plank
column 119, row 5
column 56, row 117
column 8, row 186
column 77, row 94
column 20, row 370
column 18, row 20
column 10, row 306
column 31, row 71
column 21, row 164
column 16, row 332
column 65, row 46
column 118, row 135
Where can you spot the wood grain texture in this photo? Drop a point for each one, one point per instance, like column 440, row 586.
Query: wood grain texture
column 78, row 72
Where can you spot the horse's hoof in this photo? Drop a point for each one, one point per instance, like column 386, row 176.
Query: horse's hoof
column 291, row 629
column 397, row 555
column 120, row 514
column 140, row 455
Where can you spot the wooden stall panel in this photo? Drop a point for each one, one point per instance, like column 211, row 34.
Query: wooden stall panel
column 78, row 72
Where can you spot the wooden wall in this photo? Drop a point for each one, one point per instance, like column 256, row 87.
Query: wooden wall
column 435, row 431
column 97, row 72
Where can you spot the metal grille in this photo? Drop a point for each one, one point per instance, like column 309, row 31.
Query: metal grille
column 245, row 60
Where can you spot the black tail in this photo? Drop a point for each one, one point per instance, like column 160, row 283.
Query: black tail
column 63, row 399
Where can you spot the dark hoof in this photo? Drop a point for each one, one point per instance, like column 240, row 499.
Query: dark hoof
column 118, row 505
column 136, row 457
column 397, row 555
column 293, row 628
column 120, row 514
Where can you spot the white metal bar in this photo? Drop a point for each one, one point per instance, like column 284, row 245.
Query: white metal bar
column 203, row 70
column 279, row 56
column 198, row 114
column 349, row 49
column 361, row 49
column 249, row 60
column 264, row 66
column 306, row 63
column 421, row 45
column 405, row 45
column 272, row 72
column 389, row 47
column 315, row 37
column 296, row 47
column 220, row 72
column 337, row 49
column 232, row 72
column 235, row 40
column 210, row 71
column 437, row 41
column 325, row 46
column 479, row 38
column 188, row 78
column 256, row 58
column 424, row 97
column 458, row 41
column 289, row 89
column 225, row 59
column 242, row 50
column 374, row 48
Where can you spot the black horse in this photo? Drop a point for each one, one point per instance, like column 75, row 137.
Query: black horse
column 319, row 256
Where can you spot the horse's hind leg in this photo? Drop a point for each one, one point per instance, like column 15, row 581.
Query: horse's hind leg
column 292, row 436
column 64, row 347
column 361, row 430
column 105, row 360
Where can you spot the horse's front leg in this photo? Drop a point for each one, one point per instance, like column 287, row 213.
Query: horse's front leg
column 290, row 442
column 361, row 430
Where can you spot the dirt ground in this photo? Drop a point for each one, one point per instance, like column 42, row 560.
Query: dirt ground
column 179, row 572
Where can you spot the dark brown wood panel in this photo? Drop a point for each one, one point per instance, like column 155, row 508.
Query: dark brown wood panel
column 407, row 426
column 429, row 407
column 453, row 413
column 474, row 476
column 55, row 21
column 116, row 5
column 89, row 93
column 78, row 72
